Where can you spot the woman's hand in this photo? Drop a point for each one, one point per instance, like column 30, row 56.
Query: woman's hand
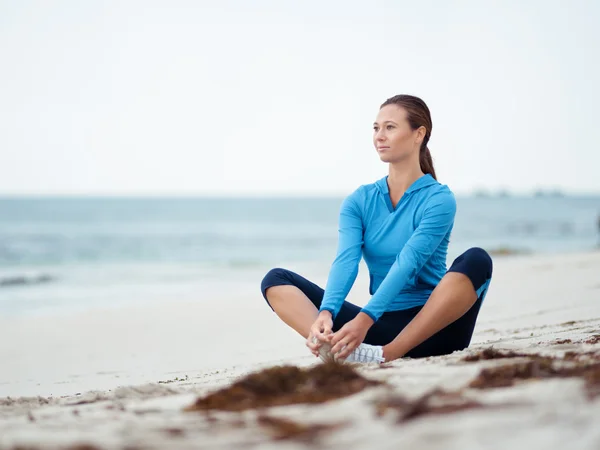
column 350, row 336
column 321, row 330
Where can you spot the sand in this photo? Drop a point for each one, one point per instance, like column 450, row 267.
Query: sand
column 122, row 378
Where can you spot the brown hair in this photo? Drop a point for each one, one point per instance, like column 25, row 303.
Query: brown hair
column 418, row 115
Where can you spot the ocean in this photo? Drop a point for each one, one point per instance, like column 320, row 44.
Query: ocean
column 60, row 255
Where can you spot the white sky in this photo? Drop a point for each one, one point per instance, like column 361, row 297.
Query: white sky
column 257, row 97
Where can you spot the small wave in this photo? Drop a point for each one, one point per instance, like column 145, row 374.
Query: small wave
column 24, row 280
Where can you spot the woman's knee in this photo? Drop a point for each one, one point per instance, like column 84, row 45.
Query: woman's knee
column 482, row 260
column 476, row 264
column 274, row 277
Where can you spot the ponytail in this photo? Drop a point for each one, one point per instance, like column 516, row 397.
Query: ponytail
column 426, row 161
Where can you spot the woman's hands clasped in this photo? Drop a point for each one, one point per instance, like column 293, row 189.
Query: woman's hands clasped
column 344, row 341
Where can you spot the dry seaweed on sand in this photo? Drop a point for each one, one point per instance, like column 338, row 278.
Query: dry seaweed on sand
column 594, row 339
column 536, row 366
column 286, row 385
column 582, row 356
column 506, row 374
column 492, row 353
column 539, row 367
column 286, row 429
column 435, row 402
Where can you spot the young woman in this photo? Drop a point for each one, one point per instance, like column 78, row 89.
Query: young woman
column 401, row 225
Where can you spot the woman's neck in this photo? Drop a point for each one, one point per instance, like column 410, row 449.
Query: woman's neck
column 401, row 177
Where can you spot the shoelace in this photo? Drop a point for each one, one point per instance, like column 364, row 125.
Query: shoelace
column 365, row 353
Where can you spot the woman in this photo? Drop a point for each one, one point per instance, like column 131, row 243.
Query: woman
column 401, row 225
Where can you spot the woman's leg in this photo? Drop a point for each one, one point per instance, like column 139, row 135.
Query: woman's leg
column 297, row 300
column 446, row 322
column 293, row 298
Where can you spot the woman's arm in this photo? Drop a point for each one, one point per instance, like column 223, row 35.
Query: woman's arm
column 437, row 220
column 344, row 269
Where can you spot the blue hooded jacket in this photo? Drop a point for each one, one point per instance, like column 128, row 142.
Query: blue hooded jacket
column 405, row 247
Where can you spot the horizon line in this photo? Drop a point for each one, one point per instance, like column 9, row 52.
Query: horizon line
column 480, row 193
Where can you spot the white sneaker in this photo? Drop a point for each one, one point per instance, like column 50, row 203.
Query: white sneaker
column 365, row 354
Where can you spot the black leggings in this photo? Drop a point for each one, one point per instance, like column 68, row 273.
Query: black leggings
column 475, row 263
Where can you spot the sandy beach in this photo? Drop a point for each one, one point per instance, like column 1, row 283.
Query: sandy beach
column 124, row 378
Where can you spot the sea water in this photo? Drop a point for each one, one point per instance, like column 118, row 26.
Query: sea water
column 65, row 254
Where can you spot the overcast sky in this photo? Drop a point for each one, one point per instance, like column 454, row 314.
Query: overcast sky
column 257, row 97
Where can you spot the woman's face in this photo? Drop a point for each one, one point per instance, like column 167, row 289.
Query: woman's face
column 393, row 137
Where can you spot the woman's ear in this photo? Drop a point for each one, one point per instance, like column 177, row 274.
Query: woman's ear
column 421, row 132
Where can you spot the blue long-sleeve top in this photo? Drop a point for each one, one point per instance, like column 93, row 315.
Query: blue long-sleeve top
column 405, row 247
